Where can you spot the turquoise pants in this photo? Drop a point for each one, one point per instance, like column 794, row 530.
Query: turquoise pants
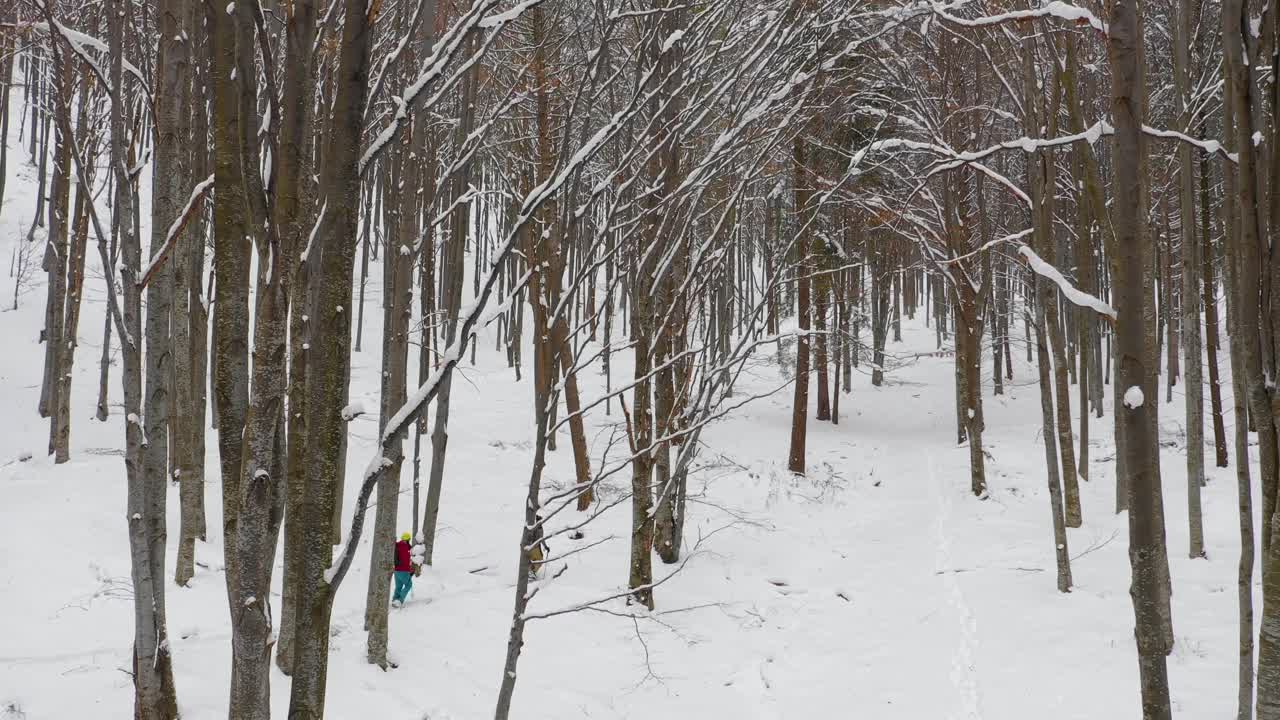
column 404, row 584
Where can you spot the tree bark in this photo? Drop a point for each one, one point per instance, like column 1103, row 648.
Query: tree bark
column 231, row 260
column 1146, row 530
column 1193, row 389
column 800, row 405
column 155, row 697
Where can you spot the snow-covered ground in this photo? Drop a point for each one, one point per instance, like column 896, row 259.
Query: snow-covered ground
column 877, row 587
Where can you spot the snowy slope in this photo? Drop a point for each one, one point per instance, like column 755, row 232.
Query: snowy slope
column 875, row 588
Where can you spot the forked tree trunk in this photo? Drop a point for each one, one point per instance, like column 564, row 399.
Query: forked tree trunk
column 57, row 249
column 73, row 290
column 332, row 261
column 155, row 697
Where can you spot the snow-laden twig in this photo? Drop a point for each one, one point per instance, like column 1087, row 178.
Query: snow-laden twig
column 1055, row 9
column 444, row 53
column 198, row 194
column 1072, row 293
column 588, row 604
column 1213, row 147
column 81, row 43
column 987, row 246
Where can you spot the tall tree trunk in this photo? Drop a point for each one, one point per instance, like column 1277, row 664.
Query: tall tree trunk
column 452, row 296
column 1244, row 499
column 187, row 465
column 57, row 249
column 1043, row 186
column 1211, row 314
column 73, row 286
column 398, row 267
column 155, row 697
column 800, row 404
column 1146, row 530
column 332, row 259
column 1193, row 389
column 529, row 537
column 821, row 356
column 231, row 260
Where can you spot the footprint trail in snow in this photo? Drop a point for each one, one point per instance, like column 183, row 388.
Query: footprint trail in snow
column 964, row 671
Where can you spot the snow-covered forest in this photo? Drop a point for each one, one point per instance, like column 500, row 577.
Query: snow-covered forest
column 442, row 359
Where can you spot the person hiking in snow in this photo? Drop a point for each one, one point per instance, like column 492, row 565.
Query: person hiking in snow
column 404, row 571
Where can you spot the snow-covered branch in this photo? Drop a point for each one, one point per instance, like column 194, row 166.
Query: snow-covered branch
column 1072, row 293
column 198, row 194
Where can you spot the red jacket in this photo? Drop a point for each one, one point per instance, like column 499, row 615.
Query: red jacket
column 404, row 562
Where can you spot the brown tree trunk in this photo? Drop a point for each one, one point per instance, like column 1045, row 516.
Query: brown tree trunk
column 1146, row 529
column 332, row 259
column 231, row 260
column 1211, row 333
column 800, row 406
column 1193, row 388
column 57, row 249
column 74, row 286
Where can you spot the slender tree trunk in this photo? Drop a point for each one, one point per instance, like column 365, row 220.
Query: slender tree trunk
column 1061, row 553
column 1211, row 335
column 452, row 288
column 398, row 267
column 800, row 406
column 186, row 376
column 57, row 249
column 155, row 697
column 529, row 537
column 1244, row 498
column 74, row 285
column 1193, row 389
column 821, row 359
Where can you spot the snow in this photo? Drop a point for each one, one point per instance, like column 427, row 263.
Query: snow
column 352, row 411
column 311, row 236
column 905, row 597
column 82, row 43
column 500, row 19
column 671, row 40
column 931, row 629
column 1133, row 397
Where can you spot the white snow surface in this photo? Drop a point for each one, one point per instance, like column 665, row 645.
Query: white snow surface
column 905, row 597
